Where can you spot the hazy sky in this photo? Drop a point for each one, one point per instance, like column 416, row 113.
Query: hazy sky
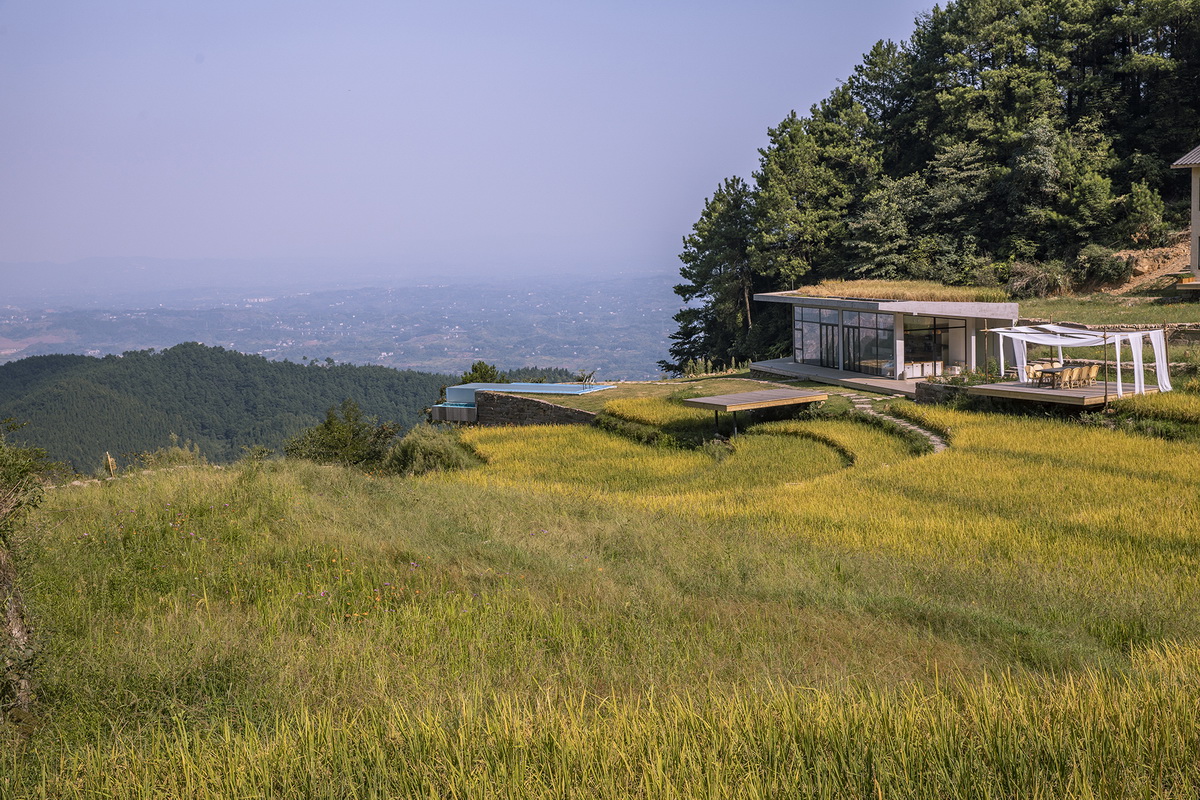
column 467, row 136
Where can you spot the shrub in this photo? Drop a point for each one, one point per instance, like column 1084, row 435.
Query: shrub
column 1097, row 266
column 970, row 377
column 991, row 275
column 351, row 439
column 1034, row 279
column 429, row 448
column 1143, row 224
column 256, row 453
column 176, row 454
column 20, row 470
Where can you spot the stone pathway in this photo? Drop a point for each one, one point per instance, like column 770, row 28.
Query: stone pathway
column 863, row 404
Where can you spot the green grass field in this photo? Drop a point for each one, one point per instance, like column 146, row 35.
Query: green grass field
column 816, row 613
column 1100, row 309
column 678, row 388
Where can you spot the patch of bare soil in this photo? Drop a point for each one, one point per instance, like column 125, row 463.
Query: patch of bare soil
column 1153, row 269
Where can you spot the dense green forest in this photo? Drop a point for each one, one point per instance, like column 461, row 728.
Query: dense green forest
column 79, row 407
column 1004, row 143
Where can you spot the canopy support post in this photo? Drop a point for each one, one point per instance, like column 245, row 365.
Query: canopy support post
column 1106, row 369
column 987, row 372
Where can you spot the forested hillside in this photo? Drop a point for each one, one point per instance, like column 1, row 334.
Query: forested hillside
column 78, row 407
column 1004, row 143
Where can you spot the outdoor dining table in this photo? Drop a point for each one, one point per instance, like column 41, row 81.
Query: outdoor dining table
column 1053, row 373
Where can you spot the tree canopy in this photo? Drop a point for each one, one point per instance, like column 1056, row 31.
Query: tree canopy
column 1003, row 137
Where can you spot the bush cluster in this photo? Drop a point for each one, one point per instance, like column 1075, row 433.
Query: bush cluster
column 346, row 437
column 429, row 448
column 350, row 439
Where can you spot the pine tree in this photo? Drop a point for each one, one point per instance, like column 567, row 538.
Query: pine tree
column 717, row 272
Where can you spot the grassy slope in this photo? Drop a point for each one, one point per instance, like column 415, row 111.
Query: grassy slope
column 1100, row 309
column 1013, row 616
column 685, row 387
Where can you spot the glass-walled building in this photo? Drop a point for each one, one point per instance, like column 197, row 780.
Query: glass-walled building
column 892, row 338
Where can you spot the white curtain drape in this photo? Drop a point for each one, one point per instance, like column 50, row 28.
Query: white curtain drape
column 1158, row 342
column 1061, row 336
column 1139, row 370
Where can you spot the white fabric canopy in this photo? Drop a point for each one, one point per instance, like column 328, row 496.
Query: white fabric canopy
column 1061, row 336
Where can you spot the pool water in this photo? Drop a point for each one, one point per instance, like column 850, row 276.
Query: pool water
column 465, row 393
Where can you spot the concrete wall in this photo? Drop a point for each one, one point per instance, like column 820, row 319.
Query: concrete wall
column 452, row 413
column 497, row 408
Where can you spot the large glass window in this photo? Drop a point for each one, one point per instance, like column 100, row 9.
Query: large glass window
column 928, row 339
column 870, row 344
column 816, row 336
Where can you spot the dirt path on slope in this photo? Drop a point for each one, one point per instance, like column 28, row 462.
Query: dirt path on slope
column 1153, row 268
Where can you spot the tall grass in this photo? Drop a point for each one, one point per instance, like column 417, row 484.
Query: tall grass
column 1008, row 737
column 1174, row 406
column 860, row 444
column 584, row 616
column 660, row 413
column 905, row 290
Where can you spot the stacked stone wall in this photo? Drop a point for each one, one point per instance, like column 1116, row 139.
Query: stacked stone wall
column 497, row 408
column 934, row 393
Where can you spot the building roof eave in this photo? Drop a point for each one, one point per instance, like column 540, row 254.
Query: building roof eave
column 938, row 308
column 1187, row 161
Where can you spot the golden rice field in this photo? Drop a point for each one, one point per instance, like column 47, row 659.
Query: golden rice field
column 1175, row 406
column 658, row 412
column 817, row 613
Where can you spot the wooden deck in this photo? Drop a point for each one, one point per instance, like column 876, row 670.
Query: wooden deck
column 787, row 368
column 764, row 398
column 1083, row 396
column 747, row 401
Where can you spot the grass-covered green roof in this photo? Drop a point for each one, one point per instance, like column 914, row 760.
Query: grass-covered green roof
column 905, row 290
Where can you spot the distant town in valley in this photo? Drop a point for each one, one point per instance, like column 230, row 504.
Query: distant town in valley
column 617, row 326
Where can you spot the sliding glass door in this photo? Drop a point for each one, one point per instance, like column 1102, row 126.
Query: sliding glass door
column 817, row 337
column 870, row 343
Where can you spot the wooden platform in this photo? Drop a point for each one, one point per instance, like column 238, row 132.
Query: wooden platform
column 787, row 368
column 1083, row 396
column 764, row 398
column 748, row 401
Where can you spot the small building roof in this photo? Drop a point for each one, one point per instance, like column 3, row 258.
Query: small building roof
column 918, row 307
column 1192, row 159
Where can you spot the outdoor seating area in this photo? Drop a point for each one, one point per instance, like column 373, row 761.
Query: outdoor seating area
column 1056, row 376
column 1032, row 373
column 1052, row 381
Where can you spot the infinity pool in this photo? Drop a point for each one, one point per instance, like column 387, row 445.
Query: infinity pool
column 465, row 393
